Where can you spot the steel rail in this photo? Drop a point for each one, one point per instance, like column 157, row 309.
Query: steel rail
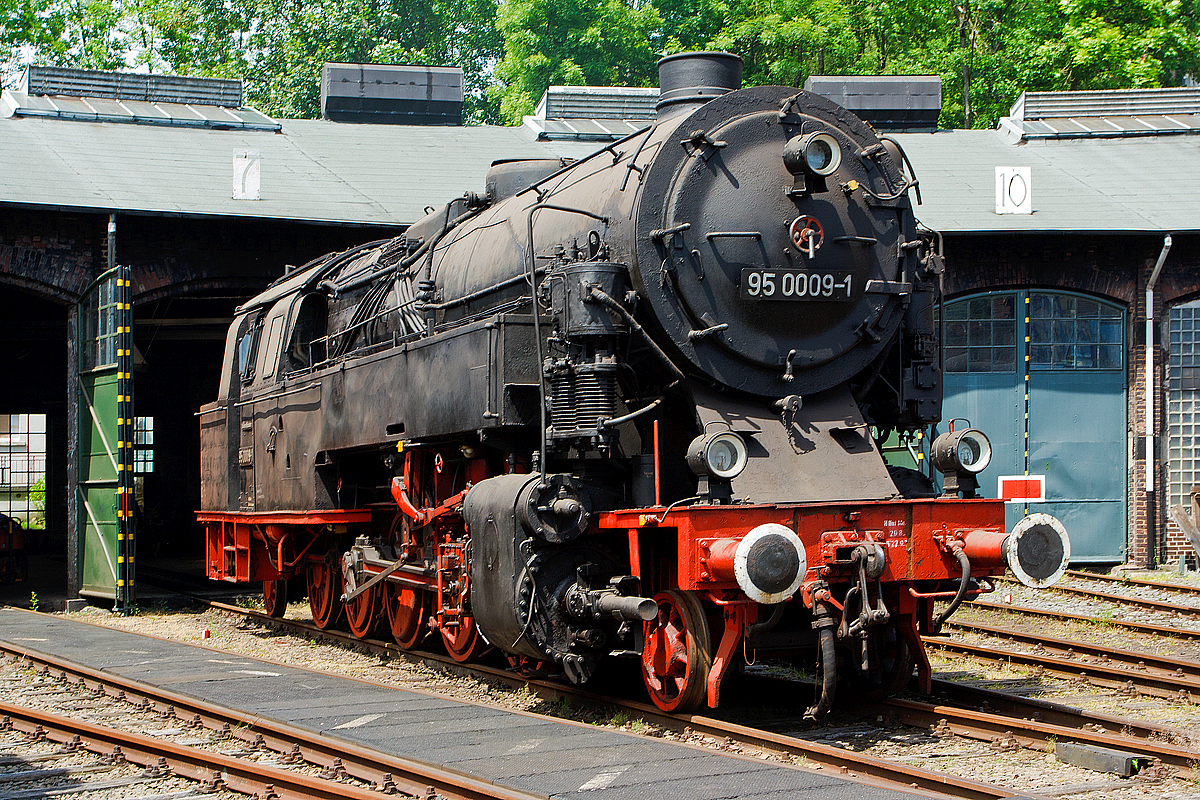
column 217, row 770
column 1185, row 671
column 1093, row 673
column 1141, row 627
column 1030, row 733
column 410, row 776
column 1182, row 588
column 1022, row 707
column 1114, row 597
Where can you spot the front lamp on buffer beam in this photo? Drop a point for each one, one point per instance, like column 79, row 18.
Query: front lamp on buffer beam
column 717, row 458
column 960, row 456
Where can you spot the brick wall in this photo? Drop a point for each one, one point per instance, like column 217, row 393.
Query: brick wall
column 54, row 255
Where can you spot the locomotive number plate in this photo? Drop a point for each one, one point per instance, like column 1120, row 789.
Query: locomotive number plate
column 795, row 284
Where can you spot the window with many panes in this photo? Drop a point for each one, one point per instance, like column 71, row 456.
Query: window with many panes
column 23, row 468
column 1183, row 403
column 1068, row 332
column 143, row 445
column 981, row 334
column 98, row 318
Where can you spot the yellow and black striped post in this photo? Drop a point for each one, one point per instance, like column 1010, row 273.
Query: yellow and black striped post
column 125, row 437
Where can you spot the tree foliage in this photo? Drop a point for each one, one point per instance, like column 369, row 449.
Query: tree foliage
column 571, row 42
column 986, row 51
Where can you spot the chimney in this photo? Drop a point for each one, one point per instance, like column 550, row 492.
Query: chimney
column 689, row 80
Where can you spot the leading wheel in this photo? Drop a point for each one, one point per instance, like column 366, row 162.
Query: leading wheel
column 463, row 641
column 678, row 653
column 325, row 591
column 408, row 613
column 275, row 598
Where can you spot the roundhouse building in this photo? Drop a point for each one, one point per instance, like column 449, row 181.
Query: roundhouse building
column 206, row 201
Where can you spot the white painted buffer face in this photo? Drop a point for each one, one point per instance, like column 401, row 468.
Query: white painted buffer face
column 769, row 563
column 1038, row 550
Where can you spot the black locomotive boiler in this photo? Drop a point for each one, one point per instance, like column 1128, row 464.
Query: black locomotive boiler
column 628, row 405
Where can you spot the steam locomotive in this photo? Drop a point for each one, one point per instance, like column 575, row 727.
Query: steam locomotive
column 627, row 405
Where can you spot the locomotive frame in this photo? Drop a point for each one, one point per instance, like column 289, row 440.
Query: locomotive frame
column 626, row 405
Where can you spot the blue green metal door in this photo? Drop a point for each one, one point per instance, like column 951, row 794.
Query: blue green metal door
column 1043, row 375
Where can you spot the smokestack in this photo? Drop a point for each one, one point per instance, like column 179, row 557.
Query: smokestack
column 689, row 80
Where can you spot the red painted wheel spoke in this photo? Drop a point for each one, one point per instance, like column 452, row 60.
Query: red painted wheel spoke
column 675, row 658
column 408, row 612
column 463, row 641
column 323, row 599
column 362, row 614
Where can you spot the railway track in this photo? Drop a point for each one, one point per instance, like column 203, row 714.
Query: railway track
column 1124, row 580
column 1159, row 675
column 1041, row 613
column 343, row 770
column 1018, row 706
column 1117, row 598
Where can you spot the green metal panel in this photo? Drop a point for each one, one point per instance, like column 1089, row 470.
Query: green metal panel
column 104, row 472
column 1069, row 353
column 98, row 483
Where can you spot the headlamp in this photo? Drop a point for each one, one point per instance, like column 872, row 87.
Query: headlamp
column 822, row 153
column 967, row 450
column 814, row 153
column 720, row 455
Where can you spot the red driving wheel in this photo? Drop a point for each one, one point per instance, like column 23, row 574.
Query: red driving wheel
column 463, row 641
column 408, row 613
column 363, row 613
column 528, row 667
column 275, row 598
column 325, row 591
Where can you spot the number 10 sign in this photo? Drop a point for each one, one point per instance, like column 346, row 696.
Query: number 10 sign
column 1014, row 190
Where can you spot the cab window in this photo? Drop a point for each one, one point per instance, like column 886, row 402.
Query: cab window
column 248, row 346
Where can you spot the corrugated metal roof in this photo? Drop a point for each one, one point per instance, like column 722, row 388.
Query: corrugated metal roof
column 1107, row 103
column 311, row 170
column 599, row 130
column 1079, row 185
column 1103, row 114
